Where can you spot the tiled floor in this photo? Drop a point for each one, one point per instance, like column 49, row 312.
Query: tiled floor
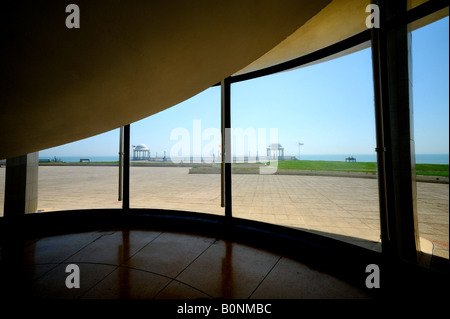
column 167, row 265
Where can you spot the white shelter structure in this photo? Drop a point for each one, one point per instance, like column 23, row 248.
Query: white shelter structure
column 275, row 151
column 141, row 152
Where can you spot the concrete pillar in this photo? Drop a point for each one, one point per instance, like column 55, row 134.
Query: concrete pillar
column 401, row 239
column 21, row 184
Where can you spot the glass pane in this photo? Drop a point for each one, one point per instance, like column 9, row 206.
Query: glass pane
column 175, row 157
column 430, row 55
column 80, row 175
column 323, row 136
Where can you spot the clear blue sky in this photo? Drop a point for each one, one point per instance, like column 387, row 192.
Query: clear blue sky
column 328, row 107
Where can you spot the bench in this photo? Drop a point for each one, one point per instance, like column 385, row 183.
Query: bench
column 85, row 160
column 350, row 159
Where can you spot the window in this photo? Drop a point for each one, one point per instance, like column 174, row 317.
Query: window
column 80, row 175
column 315, row 128
column 430, row 54
column 179, row 168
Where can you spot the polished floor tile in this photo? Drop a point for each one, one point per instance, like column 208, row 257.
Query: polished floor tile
column 55, row 249
column 229, row 270
column 170, row 253
column 141, row 264
column 53, row 283
column 290, row 279
column 35, row 271
column 179, row 290
column 128, row 283
column 114, row 247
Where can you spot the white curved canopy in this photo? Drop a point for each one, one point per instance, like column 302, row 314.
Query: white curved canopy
column 141, row 147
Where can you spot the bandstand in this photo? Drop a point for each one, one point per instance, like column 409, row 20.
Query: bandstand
column 141, row 152
column 275, row 151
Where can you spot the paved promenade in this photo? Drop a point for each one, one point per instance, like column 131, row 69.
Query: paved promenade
column 341, row 207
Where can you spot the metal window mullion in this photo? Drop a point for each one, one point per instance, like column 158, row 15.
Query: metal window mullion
column 126, row 168
column 226, row 147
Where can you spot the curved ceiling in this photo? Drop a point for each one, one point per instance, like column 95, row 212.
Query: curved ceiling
column 339, row 20
column 128, row 60
column 131, row 59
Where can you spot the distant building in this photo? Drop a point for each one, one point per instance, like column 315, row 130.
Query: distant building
column 275, row 151
column 141, row 152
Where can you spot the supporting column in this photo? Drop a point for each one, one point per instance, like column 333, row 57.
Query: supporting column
column 21, row 184
column 400, row 228
column 380, row 149
column 120, row 164
column 226, row 146
column 126, row 168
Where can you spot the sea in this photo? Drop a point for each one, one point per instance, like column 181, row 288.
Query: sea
column 420, row 158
